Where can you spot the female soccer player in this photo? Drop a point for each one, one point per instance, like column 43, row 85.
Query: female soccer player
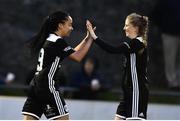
column 44, row 97
column 135, row 84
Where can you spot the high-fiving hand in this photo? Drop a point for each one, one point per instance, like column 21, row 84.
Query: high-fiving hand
column 91, row 29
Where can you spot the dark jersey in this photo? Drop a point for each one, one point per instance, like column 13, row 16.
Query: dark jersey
column 54, row 50
column 44, row 96
column 136, row 57
column 135, row 88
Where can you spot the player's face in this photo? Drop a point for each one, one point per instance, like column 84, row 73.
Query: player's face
column 130, row 30
column 67, row 27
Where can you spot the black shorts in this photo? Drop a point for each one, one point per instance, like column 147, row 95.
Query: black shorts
column 39, row 102
column 134, row 104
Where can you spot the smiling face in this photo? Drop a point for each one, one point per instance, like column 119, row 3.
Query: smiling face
column 66, row 28
column 130, row 30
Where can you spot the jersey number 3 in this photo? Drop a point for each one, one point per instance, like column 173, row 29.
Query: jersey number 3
column 40, row 60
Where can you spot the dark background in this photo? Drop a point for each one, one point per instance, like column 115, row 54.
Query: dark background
column 21, row 19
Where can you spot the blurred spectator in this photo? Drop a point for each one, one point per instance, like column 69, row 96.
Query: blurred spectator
column 88, row 80
column 167, row 16
column 9, row 78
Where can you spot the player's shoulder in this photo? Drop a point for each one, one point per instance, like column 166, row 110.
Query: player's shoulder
column 53, row 38
column 138, row 40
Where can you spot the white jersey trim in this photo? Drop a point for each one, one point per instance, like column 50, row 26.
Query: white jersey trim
column 53, row 38
column 58, row 116
column 136, row 118
column 140, row 39
column 120, row 116
column 135, row 98
column 31, row 114
column 52, row 87
column 127, row 45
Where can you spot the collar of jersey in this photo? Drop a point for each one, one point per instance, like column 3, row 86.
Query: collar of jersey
column 140, row 39
column 53, row 37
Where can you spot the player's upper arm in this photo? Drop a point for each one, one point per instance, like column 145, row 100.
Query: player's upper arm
column 64, row 49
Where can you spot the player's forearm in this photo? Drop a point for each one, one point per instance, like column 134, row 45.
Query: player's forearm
column 82, row 50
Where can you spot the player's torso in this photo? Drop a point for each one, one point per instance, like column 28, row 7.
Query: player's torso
column 135, row 68
column 49, row 62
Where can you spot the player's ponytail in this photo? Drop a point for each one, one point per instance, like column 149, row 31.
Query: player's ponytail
column 145, row 30
column 50, row 25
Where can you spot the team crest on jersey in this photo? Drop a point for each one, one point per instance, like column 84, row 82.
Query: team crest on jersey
column 49, row 111
column 48, row 107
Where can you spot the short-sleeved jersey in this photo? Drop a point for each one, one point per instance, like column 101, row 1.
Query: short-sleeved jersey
column 43, row 94
column 54, row 50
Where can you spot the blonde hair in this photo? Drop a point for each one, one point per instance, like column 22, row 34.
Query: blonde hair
column 142, row 22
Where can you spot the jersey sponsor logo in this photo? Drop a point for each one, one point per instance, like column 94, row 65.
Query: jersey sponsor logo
column 67, row 48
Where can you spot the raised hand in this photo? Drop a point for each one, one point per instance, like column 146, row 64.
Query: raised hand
column 91, row 29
